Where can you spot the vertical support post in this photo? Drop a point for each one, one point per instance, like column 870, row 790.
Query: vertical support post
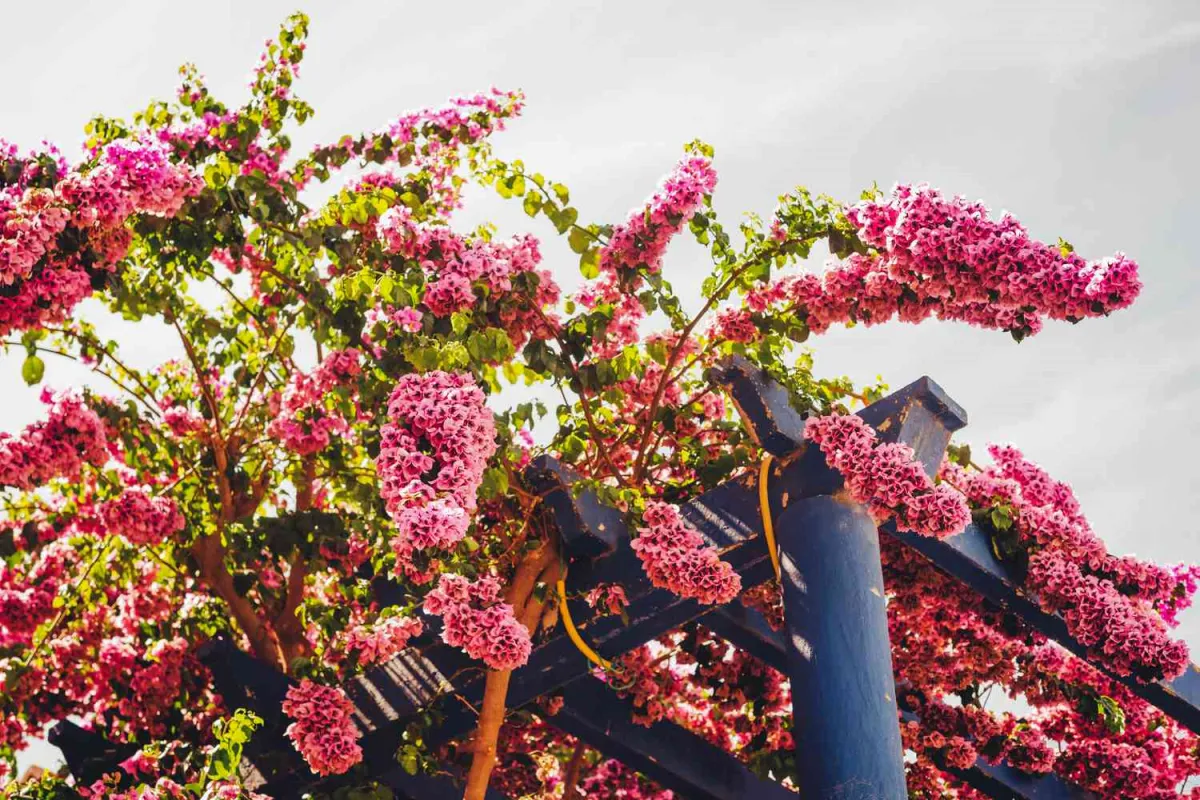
column 846, row 729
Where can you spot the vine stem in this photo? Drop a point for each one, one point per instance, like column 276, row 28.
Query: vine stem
column 574, row 768
column 209, row 550
column 643, row 457
column 292, row 640
column 541, row 564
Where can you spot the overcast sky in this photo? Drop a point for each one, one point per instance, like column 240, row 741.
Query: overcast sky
column 1079, row 117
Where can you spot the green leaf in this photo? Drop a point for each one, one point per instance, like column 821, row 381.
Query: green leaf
column 572, row 447
column 409, row 758
column 561, row 192
column 1001, row 518
column 565, row 219
column 589, row 263
column 459, row 321
column 533, row 204
column 495, row 483
column 1111, row 713
column 33, row 369
column 579, row 240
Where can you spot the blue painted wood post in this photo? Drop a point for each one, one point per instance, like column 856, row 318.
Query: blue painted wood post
column 839, row 658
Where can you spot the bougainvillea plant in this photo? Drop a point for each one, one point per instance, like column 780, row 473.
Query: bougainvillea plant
column 341, row 410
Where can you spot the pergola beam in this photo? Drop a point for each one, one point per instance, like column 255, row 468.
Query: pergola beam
column 664, row 752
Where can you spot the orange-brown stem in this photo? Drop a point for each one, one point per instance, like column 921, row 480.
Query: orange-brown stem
column 574, row 768
column 292, row 638
column 543, row 564
column 210, row 555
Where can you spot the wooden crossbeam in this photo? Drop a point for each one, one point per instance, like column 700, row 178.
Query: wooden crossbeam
column 968, row 557
column 88, row 754
column 664, row 752
column 747, row 629
column 271, row 763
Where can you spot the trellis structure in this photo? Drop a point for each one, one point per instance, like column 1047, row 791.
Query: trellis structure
column 834, row 648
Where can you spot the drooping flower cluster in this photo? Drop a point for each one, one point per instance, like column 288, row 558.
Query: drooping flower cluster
column 676, row 557
column 63, row 230
column 432, row 455
column 141, row 517
column 1129, row 638
column 950, row 644
column 307, row 414
column 377, row 643
column 887, row 478
column 462, row 273
column 947, row 258
column 475, row 619
column 1114, row 606
column 70, row 436
column 324, row 731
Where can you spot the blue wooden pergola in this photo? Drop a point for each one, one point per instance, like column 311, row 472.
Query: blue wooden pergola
column 834, row 647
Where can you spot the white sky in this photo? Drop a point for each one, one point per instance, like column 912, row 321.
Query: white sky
column 1079, row 117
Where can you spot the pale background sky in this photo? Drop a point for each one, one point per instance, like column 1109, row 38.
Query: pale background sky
column 1079, row 117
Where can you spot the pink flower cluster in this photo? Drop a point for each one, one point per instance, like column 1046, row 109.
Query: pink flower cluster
column 61, row 233
column 306, row 416
column 377, row 643
column 142, row 518
column 154, row 183
column 324, row 731
column 734, row 325
column 1129, row 638
column 887, row 478
column 947, row 258
column 27, row 600
column 642, row 239
column 610, row 598
column 1118, row 607
column 676, row 557
column 463, row 272
column 431, row 138
column 182, row 421
column 475, row 619
column 70, row 436
column 640, row 242
column 432, row 455
column 957, row 733
column 146, row 681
